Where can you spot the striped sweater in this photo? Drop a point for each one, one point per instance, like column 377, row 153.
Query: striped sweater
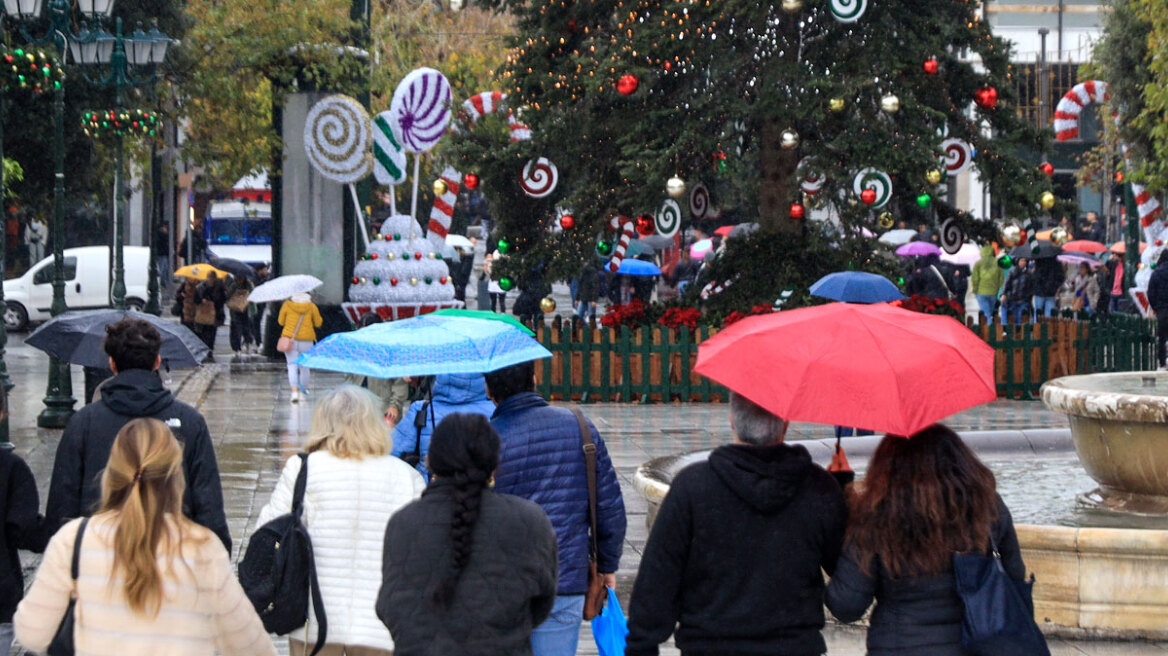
column 204, row 608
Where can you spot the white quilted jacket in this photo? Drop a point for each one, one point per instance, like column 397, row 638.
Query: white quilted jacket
column 347, row 504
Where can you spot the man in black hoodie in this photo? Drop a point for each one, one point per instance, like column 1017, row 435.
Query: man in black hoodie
column 734, row 558
column 134, row 391
column 20, row 528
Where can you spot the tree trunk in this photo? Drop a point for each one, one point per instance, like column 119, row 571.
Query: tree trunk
column 776, row 189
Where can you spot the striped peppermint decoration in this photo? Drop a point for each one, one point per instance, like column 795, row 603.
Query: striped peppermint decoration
column 1070, row 106
column 624, row 225
column 389, row 160
column 443, row 210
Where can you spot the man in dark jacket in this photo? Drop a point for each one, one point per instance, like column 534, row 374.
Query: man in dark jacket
column 1016, row 292
column 134, row 391
column 20, row 528
column 1158, row 299
column 542, row 460
column 734, row 557
column 1048, row 278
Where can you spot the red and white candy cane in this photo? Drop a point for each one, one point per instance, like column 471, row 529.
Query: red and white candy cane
column 626, row 227
column 1066, row 127
column 443, row 210
column 713, row 289
column 489, row 102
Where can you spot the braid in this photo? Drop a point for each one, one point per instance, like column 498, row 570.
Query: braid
column 468, row 496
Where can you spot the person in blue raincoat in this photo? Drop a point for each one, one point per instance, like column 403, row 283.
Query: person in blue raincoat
column 451, row 393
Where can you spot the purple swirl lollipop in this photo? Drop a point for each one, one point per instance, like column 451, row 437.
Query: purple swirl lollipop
column 421, row 109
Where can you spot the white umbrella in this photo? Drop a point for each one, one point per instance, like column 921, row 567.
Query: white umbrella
column 278, row 289
column 460, row 242
column 967, row 255
column 897, row 237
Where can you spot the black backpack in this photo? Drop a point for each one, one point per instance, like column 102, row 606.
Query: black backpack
column 278, row 571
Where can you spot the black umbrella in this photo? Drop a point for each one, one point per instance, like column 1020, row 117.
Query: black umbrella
column 235, row 268
column 77, row 337
column 1036, row 250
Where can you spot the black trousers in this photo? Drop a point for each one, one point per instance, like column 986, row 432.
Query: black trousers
column 207, row 334
column 1161, row 336
column 242, row 330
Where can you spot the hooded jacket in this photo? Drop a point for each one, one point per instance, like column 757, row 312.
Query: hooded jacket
column 1158, row 290
column 85, row 446
column 20, row 528
column 734, row 557
column 451, row 393
column 290, row 313
column 987, row 277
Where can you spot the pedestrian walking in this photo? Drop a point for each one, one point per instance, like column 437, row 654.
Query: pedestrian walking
column 134, row 391
column 149, row 581
column 162, row 253
column 1048, row 278
column 450, row 393
column 928, row 280
column 185, row 306
column 986, row 279
column 36, row 234
column 498, row 294
column 588, row 290
column 255, row 313
column 241, row 336
column 924, row 498
column 724, row 590
column 1017, row 290
column 1084, row 290
column 299, row 317
column 1115, row 265
column 466, row 570
column 393, row 392
column 353, row 488
column 210, row 301
column 20, row 528
column 1158, row 300
column 542, row 460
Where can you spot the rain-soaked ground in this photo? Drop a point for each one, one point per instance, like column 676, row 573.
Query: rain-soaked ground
column 255, row 428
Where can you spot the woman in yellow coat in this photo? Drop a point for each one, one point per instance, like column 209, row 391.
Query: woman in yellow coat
column 299, row 318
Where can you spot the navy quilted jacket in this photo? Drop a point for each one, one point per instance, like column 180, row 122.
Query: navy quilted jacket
column 542, row 459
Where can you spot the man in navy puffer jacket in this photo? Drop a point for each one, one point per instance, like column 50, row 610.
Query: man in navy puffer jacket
column 542, row 459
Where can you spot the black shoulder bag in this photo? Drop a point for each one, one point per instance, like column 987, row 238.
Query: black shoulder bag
column 412, row 458
column 62, row 644
column 278, row 571
column 999, row 611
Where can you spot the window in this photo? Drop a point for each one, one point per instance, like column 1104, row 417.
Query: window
column 44, row 275
column 227, row 231
column 259, row 231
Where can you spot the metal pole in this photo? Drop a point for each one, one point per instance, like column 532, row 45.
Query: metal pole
column 152, row 303
column 5, row 444
column 119, row 67
column 59, row 393
column 1131, row 237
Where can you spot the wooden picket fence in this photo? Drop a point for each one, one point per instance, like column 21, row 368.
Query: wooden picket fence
column 655, row 363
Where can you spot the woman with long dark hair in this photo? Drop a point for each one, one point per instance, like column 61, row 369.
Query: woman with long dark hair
column 924, row 498
column 466, row 571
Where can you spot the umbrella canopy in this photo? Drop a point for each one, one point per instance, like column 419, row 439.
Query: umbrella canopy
column 1078, row 258
column 78, row 338
column 198, row 271
column 278, row 289
column 638, row 268
column 425, row 346
column 1044, row 234
column 699, row 248
column 967, row 255
column 897, row 237
column 483, row 314
column 459, row 242
column 877, row 367
column 1085, row 246
column 742, row 230
column 639, row 247
column 856, row 287
column 1120, row 248
column 918, row 248
column 724, row 231
column 1037, row 250
column 236, row 268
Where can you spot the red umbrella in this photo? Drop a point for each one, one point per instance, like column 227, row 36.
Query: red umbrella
column 1085, row 246
column 1120, row 248
column 877, row 367
column 724, row 231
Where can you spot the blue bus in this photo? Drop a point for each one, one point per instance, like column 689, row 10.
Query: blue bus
column 240, row 231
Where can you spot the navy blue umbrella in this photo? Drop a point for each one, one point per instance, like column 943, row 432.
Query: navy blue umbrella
column 856, row 287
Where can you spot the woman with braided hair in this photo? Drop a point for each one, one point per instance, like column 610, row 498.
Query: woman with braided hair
column 466, row 571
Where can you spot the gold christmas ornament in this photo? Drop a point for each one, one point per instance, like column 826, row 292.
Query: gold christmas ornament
column 414, row 281
column 547, row 304
column 789, row 139
column 1046, row 200
column 439, row 187
column 1059, row 236
column 933, row 176
column 792, row 6
column 364, row 281
column 675, row 187
column 390, row 256
column 1011, row 235
column 890, row 104
column 887, row 220
column 837, row 104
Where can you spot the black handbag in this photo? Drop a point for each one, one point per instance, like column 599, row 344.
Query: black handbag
column 62, row 644
column 278, row 571
column 412, row 458
column 999, row 611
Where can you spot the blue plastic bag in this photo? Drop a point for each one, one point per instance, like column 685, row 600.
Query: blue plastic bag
column 609, row 629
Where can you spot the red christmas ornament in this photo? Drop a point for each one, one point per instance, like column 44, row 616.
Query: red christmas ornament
column 471, row 181
column 644, row 225
column 417, row 256
column 986, row 97
column 798, row 211
column 1119, row 176
column 668, row 65
column 567, row 222
column 868, row 196
column 1047, row 168
column 393, row 281
column 1159, row 242
column 572, row 24
column 1022, row 237
column 931, row 66
column 442, row 280
column 356, row 280
column 627, row 84
column 373, row 256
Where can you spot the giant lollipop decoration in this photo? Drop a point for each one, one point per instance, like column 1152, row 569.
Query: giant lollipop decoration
column 958, row 156
column 336, row 139
column 874, row 180
column 539, row 177
column 420, row 109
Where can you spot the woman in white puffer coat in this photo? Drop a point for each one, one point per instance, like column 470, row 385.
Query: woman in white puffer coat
column 353, row 488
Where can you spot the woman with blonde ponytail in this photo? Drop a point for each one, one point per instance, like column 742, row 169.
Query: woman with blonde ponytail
column 150, row 580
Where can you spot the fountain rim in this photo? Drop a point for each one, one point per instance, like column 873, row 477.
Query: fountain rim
column 1061, row 395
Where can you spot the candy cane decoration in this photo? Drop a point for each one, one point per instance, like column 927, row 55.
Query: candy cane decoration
column 489, row 102
column 713, row 289
column 1066, row 127
column 443, row 210
column 625, row 226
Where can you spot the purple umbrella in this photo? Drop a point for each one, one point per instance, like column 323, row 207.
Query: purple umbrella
column 918, row 248
column 1077, row 259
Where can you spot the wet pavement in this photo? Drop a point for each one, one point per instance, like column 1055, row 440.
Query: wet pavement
column 255, row 428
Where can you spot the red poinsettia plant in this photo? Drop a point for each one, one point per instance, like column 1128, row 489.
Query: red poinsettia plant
column 631, row 314
column 739, row 316
column 929, row 305
column 676, row 317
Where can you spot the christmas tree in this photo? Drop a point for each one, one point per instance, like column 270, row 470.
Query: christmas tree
column 844, row 108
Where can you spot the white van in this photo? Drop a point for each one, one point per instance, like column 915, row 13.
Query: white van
column 88, row 276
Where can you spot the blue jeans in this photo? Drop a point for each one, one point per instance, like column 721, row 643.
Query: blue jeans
column 6, row 636
column 1014, row 308
column 986, row 303
column 1045, row 305
column 560, row 632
